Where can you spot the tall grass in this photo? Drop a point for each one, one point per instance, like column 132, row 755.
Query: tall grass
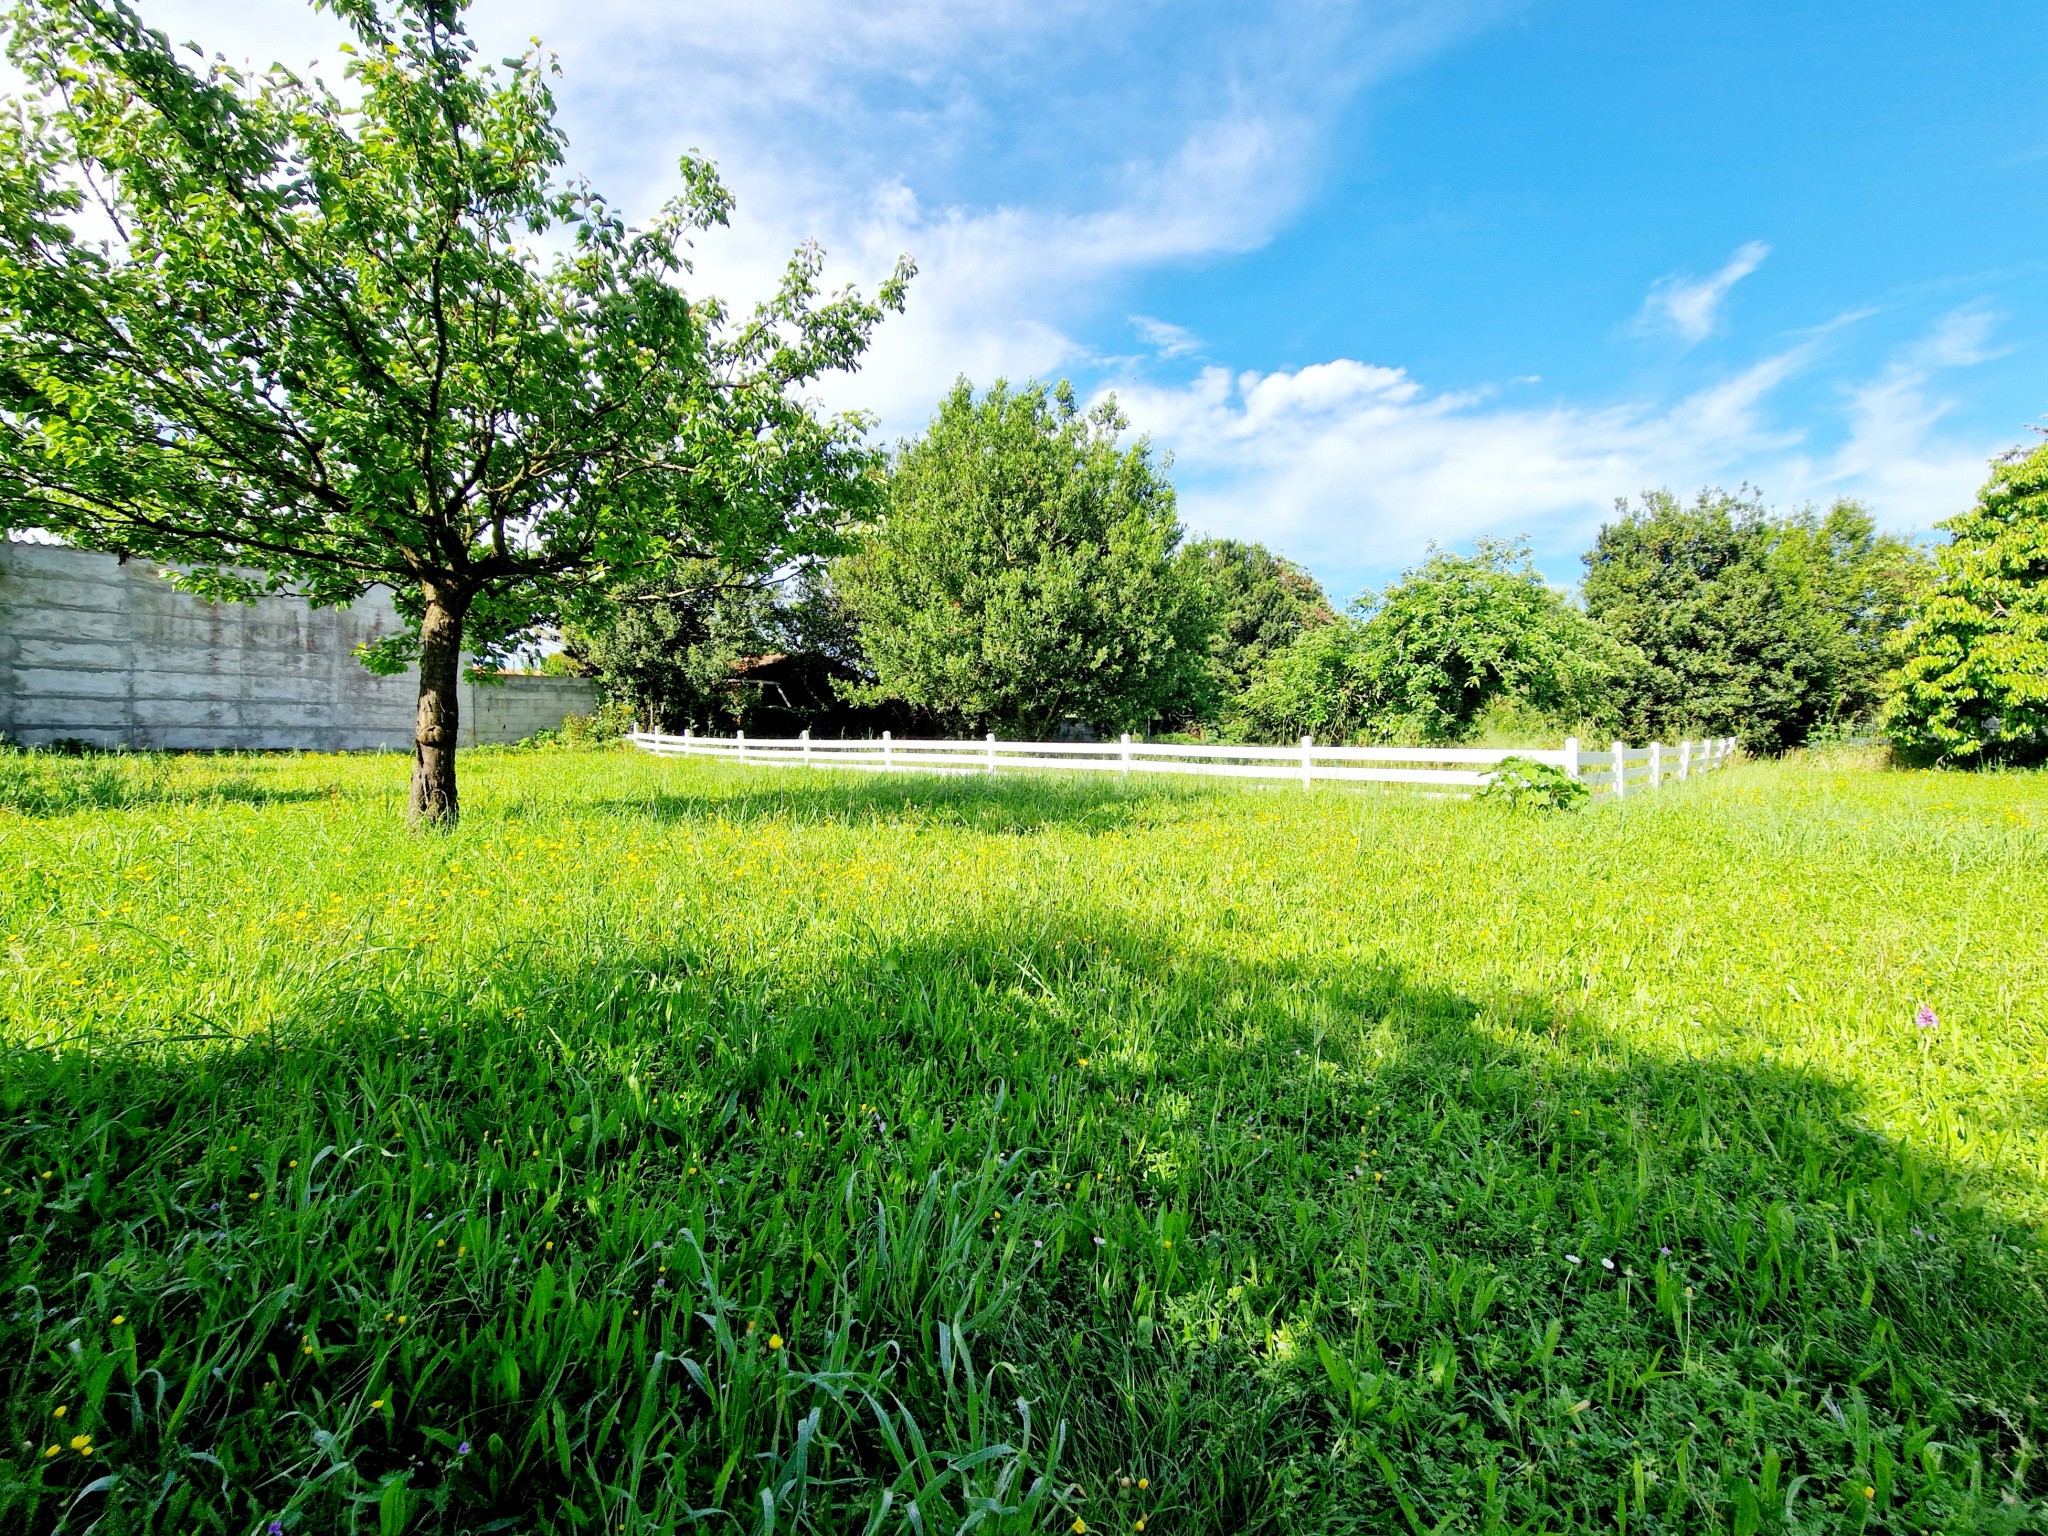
column 679, row 1143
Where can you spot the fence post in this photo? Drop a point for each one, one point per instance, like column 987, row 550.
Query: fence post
column 1571, row 757
column 1656, row 765
column 1685, row 759
column 686, row 741
column 740, row 737
column 991, row 751
column 805, row 737
column 888, row 752
column 1620, row 769
column 1127, row 754
column 1307, row 760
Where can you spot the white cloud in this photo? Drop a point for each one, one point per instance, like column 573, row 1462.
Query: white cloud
column 1165, row 338
column 1893, row 456
column 1691, row 307
column 1353, row 467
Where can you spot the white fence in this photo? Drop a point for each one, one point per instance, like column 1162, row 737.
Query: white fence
column 1619, row 771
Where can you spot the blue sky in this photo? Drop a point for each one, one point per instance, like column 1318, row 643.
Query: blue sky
column 1377, row 274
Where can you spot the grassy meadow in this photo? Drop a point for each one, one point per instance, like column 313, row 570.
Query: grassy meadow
column 682, row 1144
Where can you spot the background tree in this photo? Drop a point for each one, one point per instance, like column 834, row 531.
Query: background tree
column 1425, row 658
column 315, row 342
column 1864, row 587
column 1025, row 572
column 1263, row 601
column 1743, row 623
column 1722, row 644
column 690, row 652
column 670, row 647
column 1972, row 683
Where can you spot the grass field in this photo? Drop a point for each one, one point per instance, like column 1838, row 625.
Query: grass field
column 684, row 1143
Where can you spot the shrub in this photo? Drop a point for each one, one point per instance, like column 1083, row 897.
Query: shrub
column 1522, row 783
column 603, row 726
column 1426, row 658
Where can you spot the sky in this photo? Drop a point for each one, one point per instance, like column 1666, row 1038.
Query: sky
column 1376, row 275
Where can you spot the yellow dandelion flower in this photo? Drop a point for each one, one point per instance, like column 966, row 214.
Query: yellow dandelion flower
column 1144, row 1482
column 80, row 1442
column 775, row 1341
column 62, row 1409
column 1079, row 1527
column 379, row 1403
column 119, row 1319
column 54, row 1450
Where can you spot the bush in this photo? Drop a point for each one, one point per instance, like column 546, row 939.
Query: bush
column 1522, row 783
column 1428, row 657
column 602, row 727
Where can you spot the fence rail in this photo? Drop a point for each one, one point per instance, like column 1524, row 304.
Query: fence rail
column 1619, row 771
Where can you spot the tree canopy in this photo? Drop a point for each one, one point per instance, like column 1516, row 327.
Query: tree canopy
column 1742, row 623
column 1263, row 601
column 250, row 325
column 1972, row 682
column 1024, row 572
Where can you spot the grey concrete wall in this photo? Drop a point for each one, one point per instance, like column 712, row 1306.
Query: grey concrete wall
column 111, row 653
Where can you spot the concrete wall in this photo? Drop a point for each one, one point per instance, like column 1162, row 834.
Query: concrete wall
column 112, row 654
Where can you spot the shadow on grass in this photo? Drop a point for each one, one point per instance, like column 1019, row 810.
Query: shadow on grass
column 1308, row 1246
column 997, row 804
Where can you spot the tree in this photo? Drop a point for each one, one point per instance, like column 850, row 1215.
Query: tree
column 1423, row 659
column 1972, row 682
column 1025, row 572
column 687, row 651
column 1863, row 586
column 312, row 340
column 1744, row 623
column 670, row 647
column 1323, row 684
column 1262, row 602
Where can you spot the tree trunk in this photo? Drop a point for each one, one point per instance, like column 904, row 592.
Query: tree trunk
column 440, row 716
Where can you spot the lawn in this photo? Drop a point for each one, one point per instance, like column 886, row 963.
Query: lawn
column 680, row 1142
